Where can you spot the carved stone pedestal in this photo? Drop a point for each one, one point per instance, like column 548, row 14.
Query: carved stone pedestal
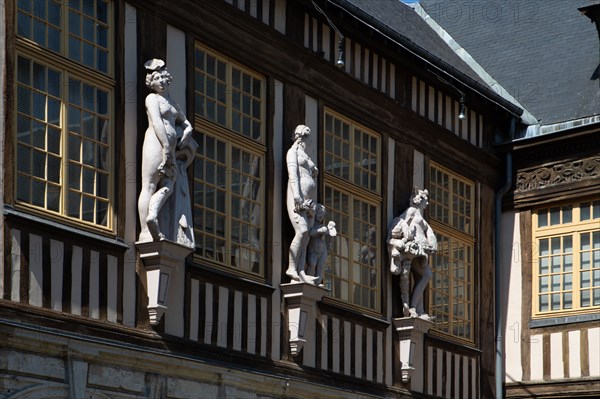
column 409, row 333
column 162, row 260
column 301, row 299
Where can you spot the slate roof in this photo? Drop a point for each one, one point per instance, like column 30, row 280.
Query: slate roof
column 544, row 52
column 403, row 23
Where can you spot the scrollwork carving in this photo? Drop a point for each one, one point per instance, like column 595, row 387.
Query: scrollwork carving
column 563, row 173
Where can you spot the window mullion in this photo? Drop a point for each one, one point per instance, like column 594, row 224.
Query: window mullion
column 577, row 269
column 228, row 200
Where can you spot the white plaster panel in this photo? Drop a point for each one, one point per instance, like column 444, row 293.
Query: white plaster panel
column 36, row 274
column 222, row 317
column 111, row 288
column 15, row 280
column 593, row 350
column 575, row 354
column 56, row 266
column 94, row 298
column 132, row 80
column 419, row 169
column 176, row 64
column 208, row 313
column 510, row 260
column 76, row 280
column 280, row 17
column 277, row 203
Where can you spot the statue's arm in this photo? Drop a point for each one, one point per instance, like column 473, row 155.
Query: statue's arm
column 431, row 238
column 185, row 125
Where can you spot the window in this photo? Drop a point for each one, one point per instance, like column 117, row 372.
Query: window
column 451, row 210
column 353, row 202
column 566, row 275
column 64, row 98
column 229, row 167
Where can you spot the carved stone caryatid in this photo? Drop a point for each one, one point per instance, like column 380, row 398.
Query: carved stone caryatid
column 164, row 204
column 301, row 201
column 410, row 242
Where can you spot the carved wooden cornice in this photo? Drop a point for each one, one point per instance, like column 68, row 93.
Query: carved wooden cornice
column 558, row 174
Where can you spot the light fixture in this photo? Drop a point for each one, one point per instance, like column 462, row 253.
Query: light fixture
column 461, row 114
column 340, row 60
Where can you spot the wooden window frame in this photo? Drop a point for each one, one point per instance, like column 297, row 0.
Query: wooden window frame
column 574, row 228
column 70, row 69
column 238, row 141
column 459, row 237
column 368, row 198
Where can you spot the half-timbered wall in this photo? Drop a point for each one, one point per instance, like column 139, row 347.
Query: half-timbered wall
column 559, row 351
column 230, row 317
column 351, row 348
column 360, row 61
column 438, row 107
column 450, row 374
column 270, row 12
column 48, row 269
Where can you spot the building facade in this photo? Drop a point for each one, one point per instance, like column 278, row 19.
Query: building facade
column 402, row 110
column 548, row 302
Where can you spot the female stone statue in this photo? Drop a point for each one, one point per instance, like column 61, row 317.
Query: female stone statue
column 410, row 241
column 301, row 201
column 164, row 204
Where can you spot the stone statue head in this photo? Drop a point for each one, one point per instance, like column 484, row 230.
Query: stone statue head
column 153, row 67
column 301, row 131
column 419, row 196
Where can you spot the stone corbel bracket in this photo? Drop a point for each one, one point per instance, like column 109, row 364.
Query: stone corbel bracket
column 301, row 300
column 409, row 333
column 161, row 259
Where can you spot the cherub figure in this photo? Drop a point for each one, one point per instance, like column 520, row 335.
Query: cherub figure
column 317, row 246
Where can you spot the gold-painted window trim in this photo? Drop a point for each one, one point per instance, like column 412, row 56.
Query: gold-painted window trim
column 70, row 69
column 369, row 198
column 574, row 228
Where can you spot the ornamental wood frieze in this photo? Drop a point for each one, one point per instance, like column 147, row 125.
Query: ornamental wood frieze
column 563, row 173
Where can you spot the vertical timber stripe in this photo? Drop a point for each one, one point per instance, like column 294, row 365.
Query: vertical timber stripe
column 52, row 273
column 450, row 375
column 435, row 105
column 194, row 309
column 583, row 349
column 229, row 318
column 361, row 62
column 269, row 12
column 337, row 339
column 593, row 343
